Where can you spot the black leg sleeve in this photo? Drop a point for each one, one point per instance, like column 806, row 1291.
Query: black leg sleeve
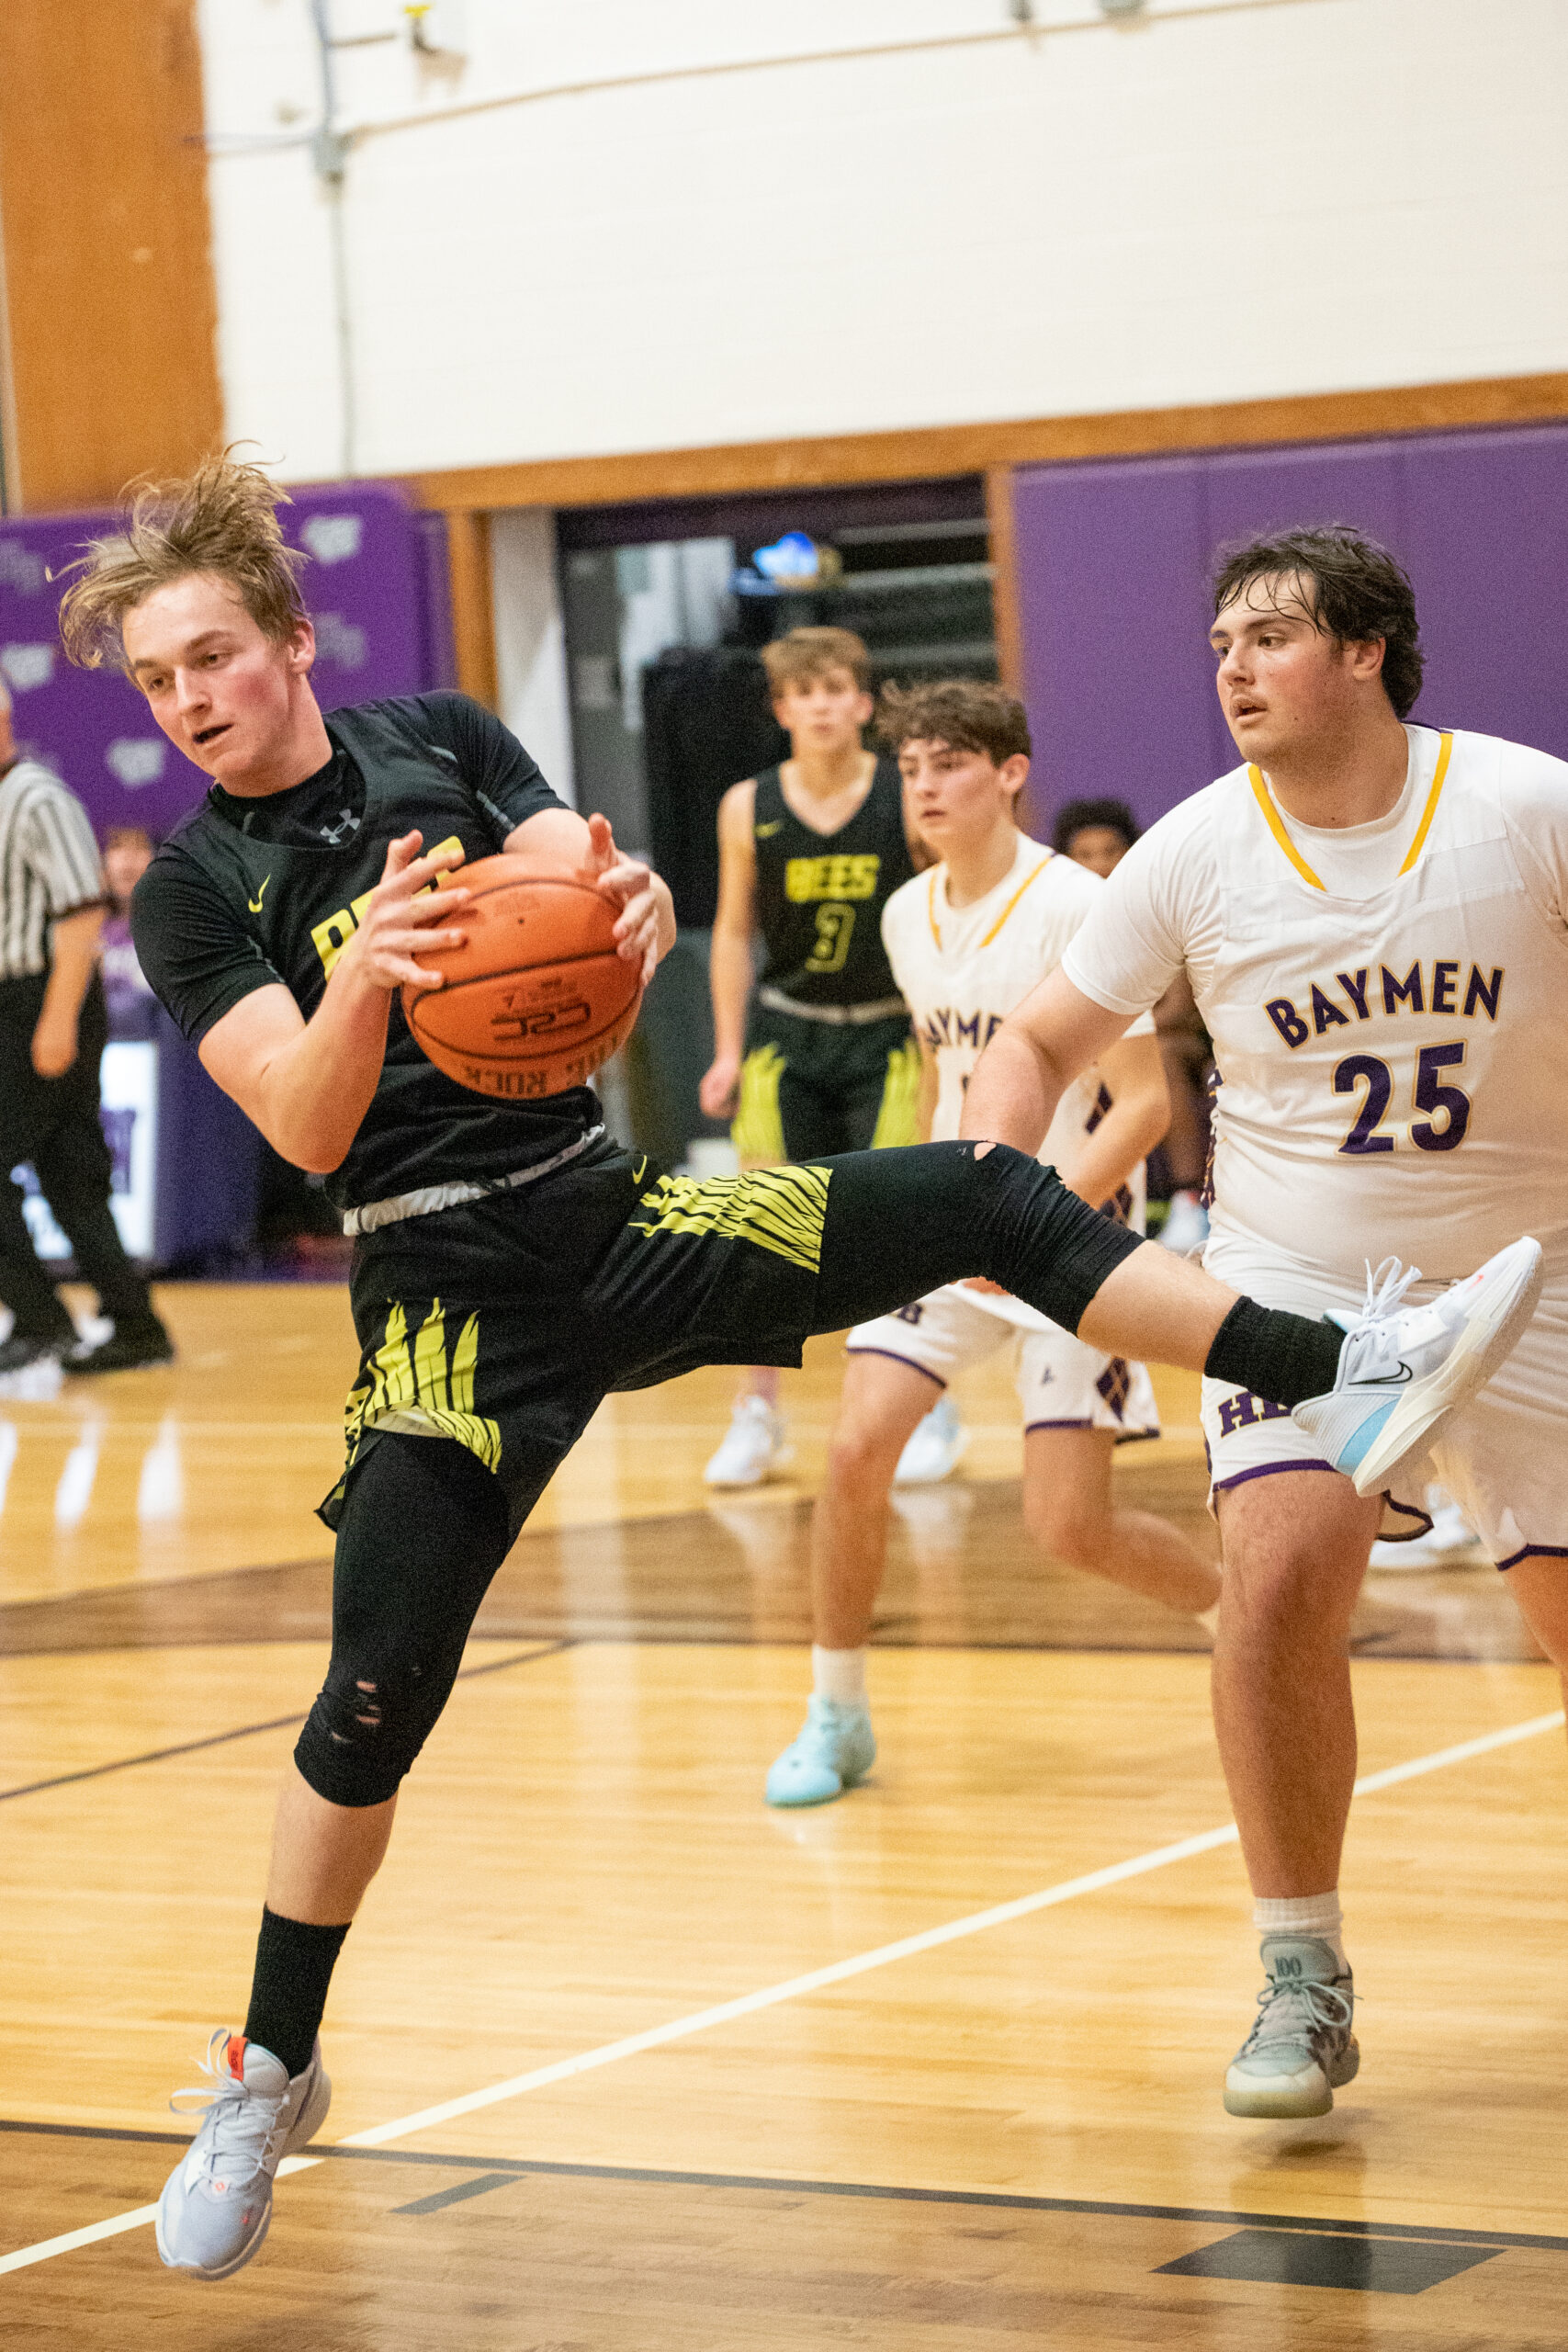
column 902, row 1223
column 425, row 1527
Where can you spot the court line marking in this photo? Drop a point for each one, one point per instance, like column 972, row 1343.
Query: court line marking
column 796, row 1987
column 497, row 2169
column 547, row 1648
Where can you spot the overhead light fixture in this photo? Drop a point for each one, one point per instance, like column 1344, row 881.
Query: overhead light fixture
column 1120, row 7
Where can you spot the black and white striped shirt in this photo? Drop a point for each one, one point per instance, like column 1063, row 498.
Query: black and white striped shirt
column 49, row 864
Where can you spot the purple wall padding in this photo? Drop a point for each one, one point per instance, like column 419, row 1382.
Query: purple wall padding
column 374, row 588
column 1114, row 563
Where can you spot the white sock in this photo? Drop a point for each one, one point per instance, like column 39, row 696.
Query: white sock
column 838, row 1674
column 1302, row 1915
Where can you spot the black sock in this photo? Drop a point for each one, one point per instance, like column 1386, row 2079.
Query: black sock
column 288, row 1991
column 1282, row 1358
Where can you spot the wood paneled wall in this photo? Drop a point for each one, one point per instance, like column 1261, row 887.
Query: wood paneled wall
column 473, row 605
column 926, row 451
column 471, row 494
column 109, row 358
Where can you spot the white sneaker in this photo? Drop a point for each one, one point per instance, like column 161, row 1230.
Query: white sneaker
column 1450, row 1542
column 754, row 1446
column 934, row 1447
column 1186, row 1227
column 216, row 2203
column 1403, row 1370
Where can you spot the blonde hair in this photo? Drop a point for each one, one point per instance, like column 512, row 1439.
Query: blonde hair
column 223, row 520
column 808, row 653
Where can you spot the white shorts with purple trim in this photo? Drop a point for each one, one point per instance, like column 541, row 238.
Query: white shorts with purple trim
column 1061, row 1382
column 1504, row 1458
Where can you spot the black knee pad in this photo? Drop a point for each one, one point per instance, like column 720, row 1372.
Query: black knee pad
column 358, row 1742
column 902, row 1223
column 424, row 1529
column 1050, row 1247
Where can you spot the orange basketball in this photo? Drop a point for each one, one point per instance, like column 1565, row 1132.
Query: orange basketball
column 538, row 998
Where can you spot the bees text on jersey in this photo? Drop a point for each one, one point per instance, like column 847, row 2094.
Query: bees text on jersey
column 820, row 896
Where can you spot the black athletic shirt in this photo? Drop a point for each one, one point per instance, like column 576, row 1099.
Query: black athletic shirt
column 820, row 896
column 246, row 893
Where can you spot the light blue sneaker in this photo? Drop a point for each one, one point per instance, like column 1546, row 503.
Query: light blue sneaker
column 836, row 1749
column 1403, row 1370
column 1301, row 2050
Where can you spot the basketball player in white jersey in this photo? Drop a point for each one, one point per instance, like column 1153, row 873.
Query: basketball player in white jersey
column 966, row 941
column 1374, row 920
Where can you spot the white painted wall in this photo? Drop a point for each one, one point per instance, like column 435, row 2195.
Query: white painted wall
column 617, row 225
column 530, row 643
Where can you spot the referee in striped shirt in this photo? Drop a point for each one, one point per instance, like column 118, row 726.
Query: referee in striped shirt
column 53, row 1027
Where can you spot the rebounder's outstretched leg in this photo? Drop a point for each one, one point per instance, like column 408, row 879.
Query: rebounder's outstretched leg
column 900, row 1224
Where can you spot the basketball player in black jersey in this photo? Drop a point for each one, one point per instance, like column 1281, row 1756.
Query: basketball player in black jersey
column 512, row 1265
column 810, row 855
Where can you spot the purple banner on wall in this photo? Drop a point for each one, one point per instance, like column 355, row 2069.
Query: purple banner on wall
column 375, row 588
column 1113, row 565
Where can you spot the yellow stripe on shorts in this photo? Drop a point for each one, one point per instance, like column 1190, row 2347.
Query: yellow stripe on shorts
column 898, row 1117
column 418, row 1390
column 779, row 1209
column 757, row 1132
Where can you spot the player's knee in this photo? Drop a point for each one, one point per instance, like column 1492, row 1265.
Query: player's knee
column 362, row 1735
column 1066, row 1531
column 861, row 1450
column 1296, row 1585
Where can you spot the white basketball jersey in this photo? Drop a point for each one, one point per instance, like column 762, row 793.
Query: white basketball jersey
column 1393, row 1068
column 962, row 972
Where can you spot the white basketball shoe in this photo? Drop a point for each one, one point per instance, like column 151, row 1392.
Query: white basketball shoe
column 1403, row 1370
column 216, row 2203
column 755, row 1444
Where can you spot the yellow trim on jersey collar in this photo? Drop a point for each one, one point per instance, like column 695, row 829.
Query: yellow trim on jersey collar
column 1015, row 897
column 1030, row 876
column 1275, row 823
column 1430, row 810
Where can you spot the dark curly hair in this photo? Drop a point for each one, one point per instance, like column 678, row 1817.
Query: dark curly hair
column 966, row 713
column 1356, row 590
column 1078, row 816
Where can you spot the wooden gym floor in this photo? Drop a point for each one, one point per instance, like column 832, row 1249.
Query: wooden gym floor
column 623, row 2061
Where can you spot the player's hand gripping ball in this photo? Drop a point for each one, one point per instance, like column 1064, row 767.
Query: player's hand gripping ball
column 536, row 999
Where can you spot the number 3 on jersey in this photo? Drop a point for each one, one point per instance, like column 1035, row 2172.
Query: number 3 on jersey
column 1430, row 1095
column 835, row 929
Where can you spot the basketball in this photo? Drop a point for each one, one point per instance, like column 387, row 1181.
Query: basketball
column 536, row 999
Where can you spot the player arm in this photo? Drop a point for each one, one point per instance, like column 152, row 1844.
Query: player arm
column 729, row 959
column 1139, row 1115
column 308, row 1084
column 74, row 947
column 1041, row 1047
column 925, row 1105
